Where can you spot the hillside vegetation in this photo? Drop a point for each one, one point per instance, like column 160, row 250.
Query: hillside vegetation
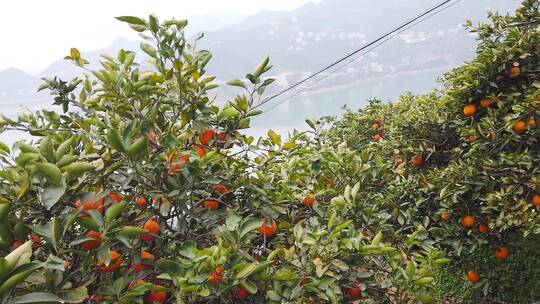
column 140, row 190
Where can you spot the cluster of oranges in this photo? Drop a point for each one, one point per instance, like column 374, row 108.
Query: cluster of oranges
column 176, row 160
column 519, row 126
column 501, row 253
column 213, row 203
column 210, row 136
column 377, row 127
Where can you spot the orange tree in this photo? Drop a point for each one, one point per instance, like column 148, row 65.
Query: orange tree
column 142, row 190
column 460, row 167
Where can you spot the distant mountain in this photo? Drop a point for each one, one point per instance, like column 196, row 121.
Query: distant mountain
column 303, row 40
column 15, row 82
column 212, row 22
column 308, row 38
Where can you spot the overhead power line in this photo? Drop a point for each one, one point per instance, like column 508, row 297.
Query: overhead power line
column 367, row 48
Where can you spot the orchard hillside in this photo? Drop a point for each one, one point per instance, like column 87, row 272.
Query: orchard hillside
column 138, row 189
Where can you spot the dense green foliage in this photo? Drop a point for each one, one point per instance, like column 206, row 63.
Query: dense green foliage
column 142, row 190
column 492, row 176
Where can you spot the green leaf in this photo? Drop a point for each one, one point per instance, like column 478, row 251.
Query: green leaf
column 75, row 54
column 54, row 263
column 115, row 140
column 230, row 112
column 57, row 232
column 38, row 297
column 249, row 225
column 51, row 172
column 253, row 113
column 52, row 194
column 410, row 271
column 262, row 67
column 250, row 287
column 114, row 211
column 311, row 123
column 171, row 267
column 63, row 148
column 423, row 281
column 78, row 168
column 4, row 149
column 153, row 23
column 131, row 20
column 18, row 275
column 285, row 274
column 76, row 295
column 188, row 249
column 273, row 295
column 246, row 271
column 233, row 220
column 377, row 239
column 149, row 50
column 132, row 231
column 274, row 137
column 237, row 83
column 425, row 298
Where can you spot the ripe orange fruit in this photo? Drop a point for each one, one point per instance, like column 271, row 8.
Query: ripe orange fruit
column 501, row 253
column 354, row 292
column 417, row 161
column 207, row 136
column 176, row 163
column 211, row 204
column 304, row 281
column 445, row 216
column 531, row 122
column 140, row 267
column 219, row 188
column 96, row 298
column 145, row 255
column 152, row 136
column 116, row 197
column 491, row 136
column 468, row 221
column 16, row 244
column 216, row 276
column 152, row 227
column 469, row 110
column 140, row 201
column 222, row 136
column 268, row 231
column 36, row 240
column 308, row 201
column 173, row 169
column 484, row 103
column 114, row 264
column 536, row 200
column 241, row 294
column 376, row 137
column 375, row 126
column 91, row 245
column 199, row 150
column 483, row 228
column 312, row 299
column 90, row 205
column 515, row 71
column 520, row 127
column 472, row 138
column 473, row 276
column 156, row 296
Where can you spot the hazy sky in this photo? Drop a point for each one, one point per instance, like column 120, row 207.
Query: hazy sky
column 35, row 33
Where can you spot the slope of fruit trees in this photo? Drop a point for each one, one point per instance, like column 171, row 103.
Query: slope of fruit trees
column 461, row 166
column 143, row 191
